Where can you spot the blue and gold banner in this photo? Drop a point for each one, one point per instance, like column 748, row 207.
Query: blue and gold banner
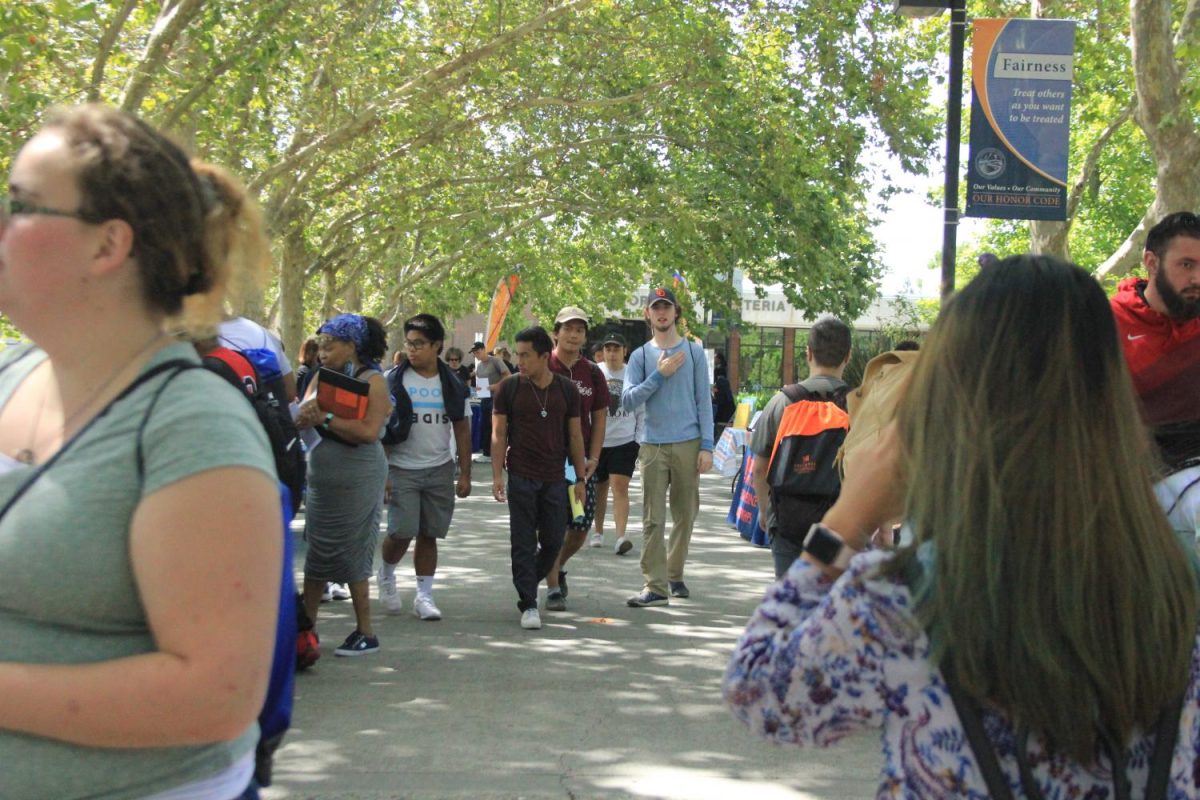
column 1020, row 118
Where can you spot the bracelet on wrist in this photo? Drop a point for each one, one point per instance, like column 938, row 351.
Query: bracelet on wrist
column 328, row 419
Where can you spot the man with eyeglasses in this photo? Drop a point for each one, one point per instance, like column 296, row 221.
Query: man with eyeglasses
column 421, row 483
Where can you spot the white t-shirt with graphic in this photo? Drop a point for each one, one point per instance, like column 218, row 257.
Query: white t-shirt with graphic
column 428, row 443
column 622, row 426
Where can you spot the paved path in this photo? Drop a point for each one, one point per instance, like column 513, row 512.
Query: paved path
column 605, row 701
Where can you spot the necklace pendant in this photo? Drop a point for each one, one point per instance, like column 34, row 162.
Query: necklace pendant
column 543, row 413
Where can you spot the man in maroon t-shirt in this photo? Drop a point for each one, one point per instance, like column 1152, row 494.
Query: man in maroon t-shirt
column 568, row 360
column 535, row 426
column 1158, row 322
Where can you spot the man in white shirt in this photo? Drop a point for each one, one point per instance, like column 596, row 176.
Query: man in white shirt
column 489, row 371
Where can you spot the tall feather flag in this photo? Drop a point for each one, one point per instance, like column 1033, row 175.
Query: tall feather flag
column 502, row 300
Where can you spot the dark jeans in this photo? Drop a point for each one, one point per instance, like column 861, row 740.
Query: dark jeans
column 537, row 520
column 784, row 552
column 485, row 426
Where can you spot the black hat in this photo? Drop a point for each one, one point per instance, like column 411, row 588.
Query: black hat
column 613, row 338
column 661, row 293
column 477, row 346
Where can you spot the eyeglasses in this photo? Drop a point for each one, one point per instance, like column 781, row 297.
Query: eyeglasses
column 415, row 344
column 12, row 207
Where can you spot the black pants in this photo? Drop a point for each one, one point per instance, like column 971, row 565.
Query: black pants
column 485, row 426
column 537, row 520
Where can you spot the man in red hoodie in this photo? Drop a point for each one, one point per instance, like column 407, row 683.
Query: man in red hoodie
column 1158, row 320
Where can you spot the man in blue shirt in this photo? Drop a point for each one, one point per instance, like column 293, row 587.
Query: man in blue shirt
column 669, row 376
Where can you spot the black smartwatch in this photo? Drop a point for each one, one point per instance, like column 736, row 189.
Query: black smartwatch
column 828, row 548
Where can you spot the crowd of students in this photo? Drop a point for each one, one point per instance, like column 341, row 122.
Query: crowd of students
column 1036, row 636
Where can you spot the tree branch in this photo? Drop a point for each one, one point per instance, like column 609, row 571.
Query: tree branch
column 105, row 48
column 1129, row 254
column 172, row 20
column 1093, row 158
column 367, row 120
column 266, row 20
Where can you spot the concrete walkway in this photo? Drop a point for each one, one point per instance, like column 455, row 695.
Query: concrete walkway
column 605, row 701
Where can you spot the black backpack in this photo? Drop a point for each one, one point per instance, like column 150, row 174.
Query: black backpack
column 275, row 418
column 803, row 475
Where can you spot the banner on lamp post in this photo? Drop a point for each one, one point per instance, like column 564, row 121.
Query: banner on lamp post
column 1020, row 118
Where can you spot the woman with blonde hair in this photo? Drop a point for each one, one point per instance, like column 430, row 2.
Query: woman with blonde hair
column 139, row 557
column 1038, row 638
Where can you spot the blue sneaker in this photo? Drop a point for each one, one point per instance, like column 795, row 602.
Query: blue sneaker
column 647, row 598
column 678, row 589
column 357, row 644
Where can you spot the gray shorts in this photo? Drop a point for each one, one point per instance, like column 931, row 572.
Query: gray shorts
column 422, row 502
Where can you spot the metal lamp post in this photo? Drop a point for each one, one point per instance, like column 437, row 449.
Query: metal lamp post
column 958, row 31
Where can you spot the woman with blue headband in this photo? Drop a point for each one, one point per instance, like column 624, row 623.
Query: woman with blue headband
column 346, row 475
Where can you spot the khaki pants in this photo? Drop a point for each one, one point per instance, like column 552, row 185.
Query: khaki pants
column 668, row 467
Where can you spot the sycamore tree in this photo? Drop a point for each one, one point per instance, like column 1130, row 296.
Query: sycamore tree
column 409, row 155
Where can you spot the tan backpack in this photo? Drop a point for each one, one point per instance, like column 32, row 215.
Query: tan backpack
column 873, row 404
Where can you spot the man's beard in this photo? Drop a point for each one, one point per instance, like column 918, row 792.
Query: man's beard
column 1178, row 308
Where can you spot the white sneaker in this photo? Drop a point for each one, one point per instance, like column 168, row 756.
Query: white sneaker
column 424, row 608
column 531, row 620
column 327, row 595
column 482, row 459
column 338, row 591
column 597, row 540
column 387, row 592
column 622, row 546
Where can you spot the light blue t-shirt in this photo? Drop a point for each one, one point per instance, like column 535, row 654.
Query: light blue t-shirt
column 678, row 408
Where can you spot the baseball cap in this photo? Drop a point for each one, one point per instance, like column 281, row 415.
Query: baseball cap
column 569, row 313
column 477, row 346
column 659, row 294
column 614, row 338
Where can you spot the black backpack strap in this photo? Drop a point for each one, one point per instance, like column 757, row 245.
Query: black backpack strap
column 794, row 392
column 176, row 364
column 981, row 746
column 1166, row 734
column 28, row 351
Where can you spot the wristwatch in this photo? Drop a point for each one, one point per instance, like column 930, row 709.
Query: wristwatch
column 828, row 547
column 328, row 419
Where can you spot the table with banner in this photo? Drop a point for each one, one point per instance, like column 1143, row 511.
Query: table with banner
column 731, row 458
column 476, row 428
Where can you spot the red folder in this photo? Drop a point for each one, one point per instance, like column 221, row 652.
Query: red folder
column 346, row 397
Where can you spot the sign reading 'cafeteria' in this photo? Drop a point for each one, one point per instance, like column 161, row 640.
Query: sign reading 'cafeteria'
column 1020, row 118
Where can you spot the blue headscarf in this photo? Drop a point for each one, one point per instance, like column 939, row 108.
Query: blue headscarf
column 352, row 328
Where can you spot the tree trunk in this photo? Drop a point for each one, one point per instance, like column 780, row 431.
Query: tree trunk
column 1165, row 116
column 291, row 290
column 1049, row 237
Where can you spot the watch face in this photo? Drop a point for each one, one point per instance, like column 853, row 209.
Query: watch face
column 823, row 545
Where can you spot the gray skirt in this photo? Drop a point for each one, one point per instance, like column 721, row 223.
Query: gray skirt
column 343, row 505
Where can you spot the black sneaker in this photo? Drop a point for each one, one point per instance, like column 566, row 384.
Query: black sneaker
column 556, row 600
column 357, row 644
column 562, row 583
column 647, row 598
column 678, row 589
